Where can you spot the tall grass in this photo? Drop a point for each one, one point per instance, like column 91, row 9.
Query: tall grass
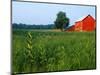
column 36, row 51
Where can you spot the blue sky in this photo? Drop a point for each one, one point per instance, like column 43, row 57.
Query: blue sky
column 41, row 13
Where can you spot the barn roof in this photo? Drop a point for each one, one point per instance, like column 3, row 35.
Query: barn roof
column 84, row 17
column 81, row 18
column 69, row 27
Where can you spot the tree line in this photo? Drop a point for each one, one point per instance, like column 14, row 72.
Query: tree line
column 34, row 26
column 61, row 22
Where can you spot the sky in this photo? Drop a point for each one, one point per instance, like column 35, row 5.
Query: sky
column 42, row 13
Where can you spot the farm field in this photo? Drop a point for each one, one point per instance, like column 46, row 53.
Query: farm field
column 43, row 51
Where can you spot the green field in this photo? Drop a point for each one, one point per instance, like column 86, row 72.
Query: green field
column 43, row 51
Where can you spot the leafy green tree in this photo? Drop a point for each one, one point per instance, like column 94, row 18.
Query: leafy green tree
column 61, row 21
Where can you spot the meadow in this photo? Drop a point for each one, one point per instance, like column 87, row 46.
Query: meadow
column 46, row 51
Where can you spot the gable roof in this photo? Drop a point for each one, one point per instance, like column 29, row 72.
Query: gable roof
column 69, row 27
column 84, row 17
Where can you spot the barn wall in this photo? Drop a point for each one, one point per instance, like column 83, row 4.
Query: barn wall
column 88, row 24
column 78, row 26
column 72, row 28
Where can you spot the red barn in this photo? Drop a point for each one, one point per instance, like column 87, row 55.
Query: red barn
column 86, row 24
column 71, row 28
column 78, row 26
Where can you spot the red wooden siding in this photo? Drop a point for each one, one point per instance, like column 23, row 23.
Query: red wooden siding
column 78, row 26
column 72, row 28
column 86, row 24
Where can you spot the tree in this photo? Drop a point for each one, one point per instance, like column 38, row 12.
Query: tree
column 61, row 21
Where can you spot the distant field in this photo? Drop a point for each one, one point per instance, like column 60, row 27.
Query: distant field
column 52, row 51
